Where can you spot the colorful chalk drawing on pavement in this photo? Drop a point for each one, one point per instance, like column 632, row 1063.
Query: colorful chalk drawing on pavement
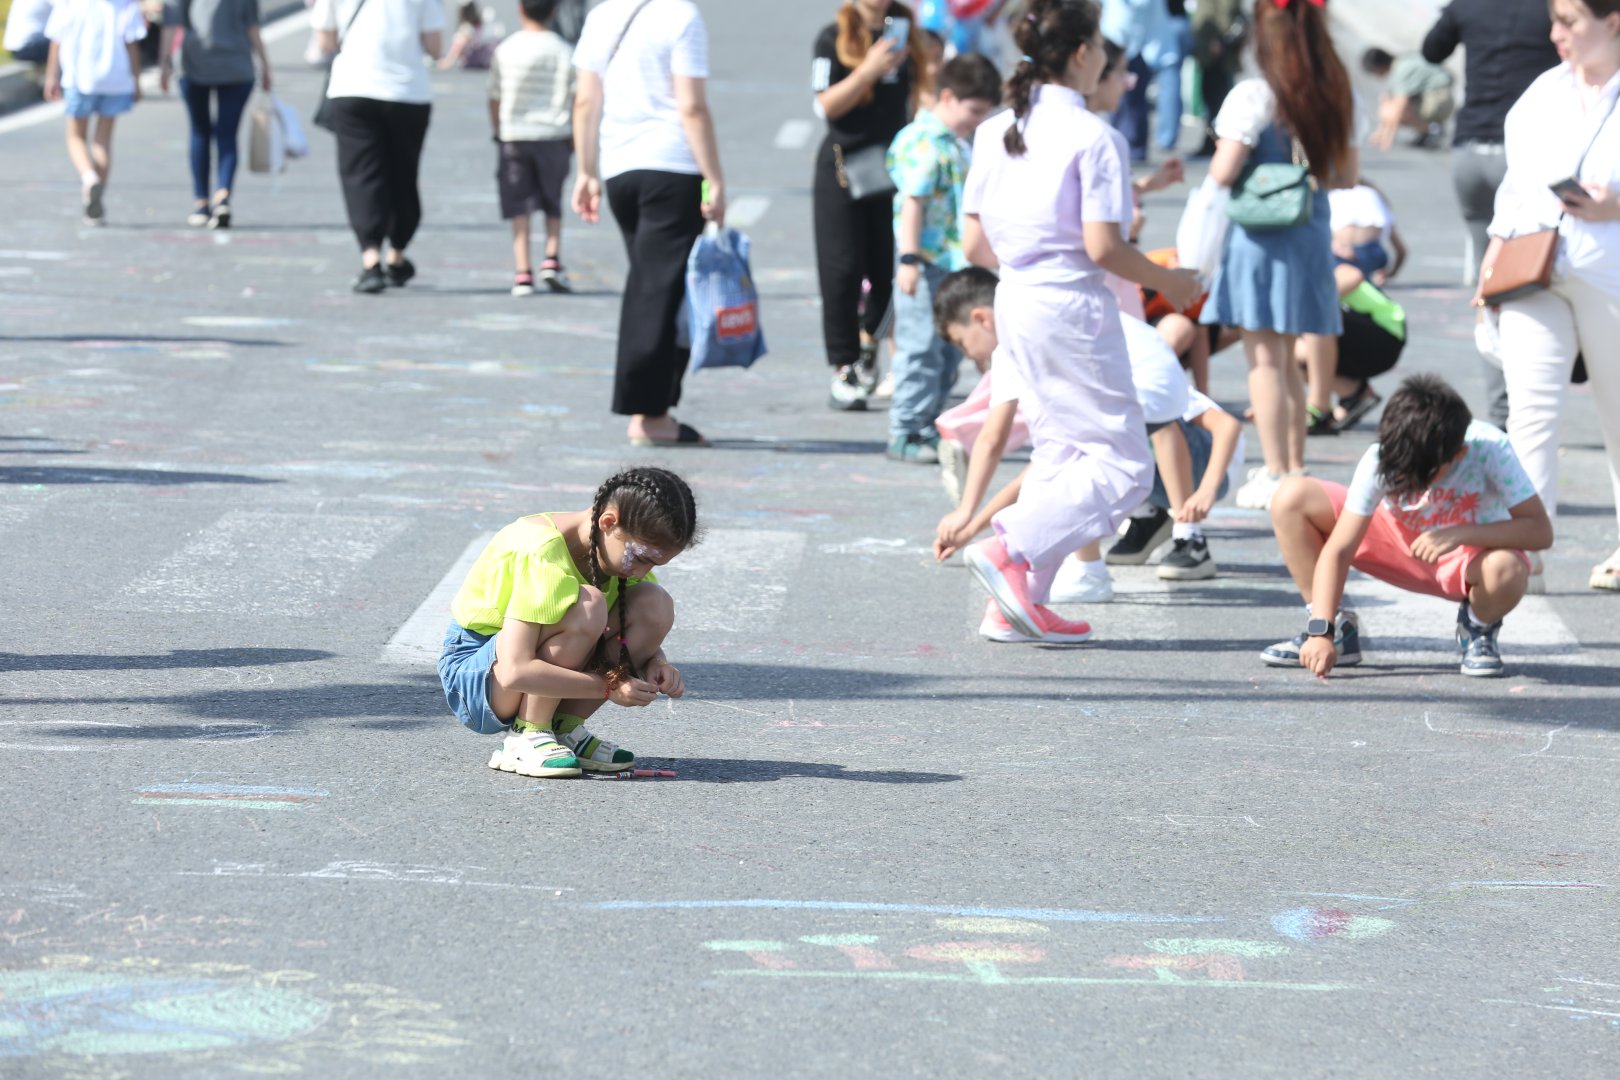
column 211, row 1016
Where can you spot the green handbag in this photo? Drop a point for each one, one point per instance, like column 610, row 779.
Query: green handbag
column 1277, row 195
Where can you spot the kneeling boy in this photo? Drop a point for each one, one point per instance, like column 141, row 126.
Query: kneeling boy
column 1439, row 505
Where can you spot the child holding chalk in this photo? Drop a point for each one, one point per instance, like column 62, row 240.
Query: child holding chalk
column 560, row 614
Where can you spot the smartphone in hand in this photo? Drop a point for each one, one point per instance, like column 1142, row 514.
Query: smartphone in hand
column 897, row 28
column 1570, row 191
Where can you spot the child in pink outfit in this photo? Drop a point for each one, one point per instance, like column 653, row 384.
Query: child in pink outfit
column 1049, row 197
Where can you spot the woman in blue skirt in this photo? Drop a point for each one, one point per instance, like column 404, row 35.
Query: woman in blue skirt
column 1277, row 284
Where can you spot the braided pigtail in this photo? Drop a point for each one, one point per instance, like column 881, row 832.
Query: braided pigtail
column 654, row 507
column 1049, row 35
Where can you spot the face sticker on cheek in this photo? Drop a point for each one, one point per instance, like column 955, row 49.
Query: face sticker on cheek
column 635, row 552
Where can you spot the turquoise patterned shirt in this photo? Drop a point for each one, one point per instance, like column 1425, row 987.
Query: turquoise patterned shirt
column 927, row 161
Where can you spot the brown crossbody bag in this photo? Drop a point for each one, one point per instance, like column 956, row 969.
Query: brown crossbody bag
column 1524, row 264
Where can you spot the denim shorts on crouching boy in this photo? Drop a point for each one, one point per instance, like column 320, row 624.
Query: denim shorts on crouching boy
column 464, row 666
column 79, row 105
column 1200, row 443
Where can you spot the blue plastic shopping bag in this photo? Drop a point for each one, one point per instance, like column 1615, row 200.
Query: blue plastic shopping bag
column 721, row 302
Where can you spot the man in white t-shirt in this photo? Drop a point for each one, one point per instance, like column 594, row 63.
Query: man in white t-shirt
column 645, row 138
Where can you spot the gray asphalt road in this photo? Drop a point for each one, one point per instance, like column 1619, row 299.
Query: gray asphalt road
column 244, row 836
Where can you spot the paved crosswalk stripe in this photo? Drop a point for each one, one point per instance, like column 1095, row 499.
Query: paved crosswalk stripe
column 735, row 582
column 794, row 134
column 256, row 563
column 746, row 210
column 418, row 641
column 1403, row 627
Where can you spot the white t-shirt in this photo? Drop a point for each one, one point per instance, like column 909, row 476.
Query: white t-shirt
column 641, row 126
column 1161, row 386
column 92, row 38
column 380, row 57
column 1480, row 489
column 532, row 76
column 26, row 21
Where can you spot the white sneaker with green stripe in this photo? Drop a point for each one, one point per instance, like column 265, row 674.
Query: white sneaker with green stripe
column 532, row 751
column 593, row 754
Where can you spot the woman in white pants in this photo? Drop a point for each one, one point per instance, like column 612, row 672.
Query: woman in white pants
column 1565, row 111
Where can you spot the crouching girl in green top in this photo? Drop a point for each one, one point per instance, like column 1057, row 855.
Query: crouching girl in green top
column 561, row 613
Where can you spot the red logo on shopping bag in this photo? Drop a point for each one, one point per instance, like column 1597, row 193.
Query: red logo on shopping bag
column 736, row 323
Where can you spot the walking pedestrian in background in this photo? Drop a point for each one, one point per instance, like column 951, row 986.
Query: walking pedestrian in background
column 94, row 67
column 1220, row 31
column 1144, row 29
column 1564, row 128
column 216, row 66
column 380, row 105
column 866, row 76
column 1506, row 45
column 645, row 137
column 1277, row 284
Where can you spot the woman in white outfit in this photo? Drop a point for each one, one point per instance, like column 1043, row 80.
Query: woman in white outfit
column 1564, row 112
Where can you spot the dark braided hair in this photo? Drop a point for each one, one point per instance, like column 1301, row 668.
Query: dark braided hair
column 1050, row 34
column 655, row 507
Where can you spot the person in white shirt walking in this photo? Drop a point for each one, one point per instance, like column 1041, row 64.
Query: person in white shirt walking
column 381, row 102
column 94, row 68
column 642, row 129
column 531, row 105
column 1567, row 109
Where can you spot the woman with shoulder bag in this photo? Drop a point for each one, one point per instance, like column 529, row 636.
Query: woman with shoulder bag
column 1565, row 206
column 867, row 74
column 378, row 103
column 216, row 68
column 1275, row 279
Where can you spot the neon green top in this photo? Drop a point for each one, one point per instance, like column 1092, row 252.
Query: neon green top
column 525, row 573
column 1371, row 301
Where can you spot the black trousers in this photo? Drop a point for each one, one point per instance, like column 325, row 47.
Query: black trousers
column 661, row 216
column 854, row 242
column 1217, row 83
column 379, row 145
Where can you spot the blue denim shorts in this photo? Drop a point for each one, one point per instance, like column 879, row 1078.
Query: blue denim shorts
column 80, row 105
column 1199, row 444
column 1369, row 258
column 464, row 666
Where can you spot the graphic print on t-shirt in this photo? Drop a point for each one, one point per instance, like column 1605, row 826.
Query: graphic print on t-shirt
column 1481, row 488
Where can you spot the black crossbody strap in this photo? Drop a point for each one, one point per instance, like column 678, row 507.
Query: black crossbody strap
column 627, row 24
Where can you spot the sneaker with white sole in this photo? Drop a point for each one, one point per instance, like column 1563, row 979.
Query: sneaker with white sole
column 1054, row 630
column 1188, row 561
column 1480, row 656
column 953, row 467
column 1007, row 581
column 554, row 277
column 1143, row 536
column 914, row 450
column 534, row 752
column 848, row 393
column 1074, row 586
column 1257, row 492
column 594, row 754
column 1347, row 643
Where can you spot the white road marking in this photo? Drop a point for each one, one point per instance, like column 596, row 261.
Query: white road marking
column 794, row 134
column 250, row 563
column 746, row 210
column 1402, row 627
column 286, row 27
column 735, row 582
column 419, row 640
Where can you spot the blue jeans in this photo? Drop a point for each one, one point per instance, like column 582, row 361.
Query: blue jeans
column 924, row 366
column 1167, row 81
column 1199, row 444
column 1131, row 118
column 233, row 99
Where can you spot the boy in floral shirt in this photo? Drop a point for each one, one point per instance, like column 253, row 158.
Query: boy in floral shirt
column 1439, row 505
column 928, row 161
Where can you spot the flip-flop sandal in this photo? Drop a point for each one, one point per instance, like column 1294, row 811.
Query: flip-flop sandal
column 593, row 754
column 687, row 436
column 1359, row 404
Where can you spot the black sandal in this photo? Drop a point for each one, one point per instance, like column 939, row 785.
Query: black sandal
column 1359, row 404
column 686, row 436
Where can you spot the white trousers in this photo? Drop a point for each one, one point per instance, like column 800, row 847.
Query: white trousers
column 1540, row 336
column 1091, row 464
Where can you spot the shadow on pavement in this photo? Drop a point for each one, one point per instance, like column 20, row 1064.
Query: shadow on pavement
column 66, row 474
column 149, row 339
column 801, row 446
column 177, row 658
column 724, row 771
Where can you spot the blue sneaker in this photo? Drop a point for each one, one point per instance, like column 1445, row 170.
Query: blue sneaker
column 1480, row 656
column 1347, row 642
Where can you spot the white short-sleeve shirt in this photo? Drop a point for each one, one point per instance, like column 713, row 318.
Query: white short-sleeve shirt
column 92, row 39
column 380, row 56
column 1032, row 207
column 641, row 124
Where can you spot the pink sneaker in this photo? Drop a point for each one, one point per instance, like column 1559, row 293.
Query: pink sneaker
column 1006, row 582
column 1054, row 628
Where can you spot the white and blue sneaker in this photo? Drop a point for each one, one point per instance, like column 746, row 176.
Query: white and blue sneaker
column 1347, row 643
column 1480, row 655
